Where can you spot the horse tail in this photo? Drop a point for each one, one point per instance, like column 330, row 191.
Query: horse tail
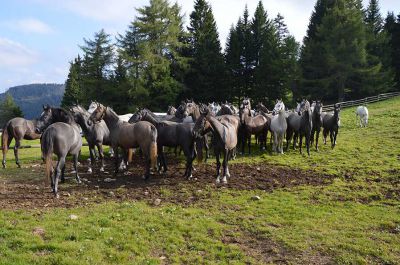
column 47, row 152
column 153, row 147
column 130, row 155
column 4, row 139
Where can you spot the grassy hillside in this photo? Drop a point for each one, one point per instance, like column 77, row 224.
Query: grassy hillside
column 354, row 219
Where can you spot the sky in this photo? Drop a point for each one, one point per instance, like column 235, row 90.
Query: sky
column 38, row 38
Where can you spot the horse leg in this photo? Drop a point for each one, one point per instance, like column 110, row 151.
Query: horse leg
column 275, row 143
column 60, row 165
column 76, row 168
column 63, row 174
column 316, row 139
column 5, row 148
column 225, row 165
column 331, row 136
column 325, row 134
column 249, row 142
column 217, row 154
column 334, row 139
column 92, row 158
column 288, row 137
column 101, row 153
column 116, row 157
column 300, row 142
column 16, row 146
column 227, row 169
column 308, row 136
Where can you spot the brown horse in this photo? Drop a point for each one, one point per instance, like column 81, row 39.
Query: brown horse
column 142, row 134
column 18, row 129
column 258, row 125
column 224, row 139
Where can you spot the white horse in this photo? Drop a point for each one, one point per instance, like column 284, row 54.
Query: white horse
column 278, row 126
column 362, row 116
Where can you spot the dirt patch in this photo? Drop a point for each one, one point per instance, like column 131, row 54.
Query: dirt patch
column 266, row 251
column 169, row 187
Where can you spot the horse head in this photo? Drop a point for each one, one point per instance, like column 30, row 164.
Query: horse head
column 279, row 107
column 98, row 113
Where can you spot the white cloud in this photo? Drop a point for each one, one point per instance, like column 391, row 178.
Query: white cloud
column 14, row 54
column 29, row 25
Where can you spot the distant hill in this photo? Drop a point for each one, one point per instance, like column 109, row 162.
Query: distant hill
column 30, row 98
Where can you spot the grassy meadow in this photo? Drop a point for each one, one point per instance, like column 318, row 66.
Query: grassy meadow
column 353, row 220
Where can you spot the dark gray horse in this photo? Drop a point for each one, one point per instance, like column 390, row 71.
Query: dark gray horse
column 227, row 109
column 300, row 126
column 171, row 110
column 96, row 134
column 18, row 129
column 331, row 125
column 224, row 139
column 171, row 134
column 316, row 122
column 126, row 135
column 61, row 136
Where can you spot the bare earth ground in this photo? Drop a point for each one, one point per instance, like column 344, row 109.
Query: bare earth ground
column 129, row 185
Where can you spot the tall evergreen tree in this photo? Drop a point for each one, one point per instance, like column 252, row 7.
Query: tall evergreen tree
column 98, row 59
column 73, row 89
column 392, row 28
column 160, row 28
column 8, row 110
column 206, row 78
column 233, row 53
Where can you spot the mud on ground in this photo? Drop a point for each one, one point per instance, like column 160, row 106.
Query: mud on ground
column 129, row 185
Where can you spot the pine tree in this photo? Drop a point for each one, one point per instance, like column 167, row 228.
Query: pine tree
column 206, row 78
column 73, row 89
column 392, row 29
column 233, row 64
column 8, row 110
column 98, row 59
column 160, row 27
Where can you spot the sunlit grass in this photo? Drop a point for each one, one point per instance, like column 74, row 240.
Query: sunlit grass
column 352, row 221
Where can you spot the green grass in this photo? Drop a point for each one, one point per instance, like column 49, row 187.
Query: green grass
column 354, row 220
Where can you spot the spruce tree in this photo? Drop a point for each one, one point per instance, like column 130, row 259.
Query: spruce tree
column 233, row 53
column 206, row 77
column 73, row 90
column 160, row 26
column 98, row 59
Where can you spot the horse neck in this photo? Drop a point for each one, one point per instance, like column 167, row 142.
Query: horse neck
column 195, row 113
column 66, row 118
column 111, row 118
column 82, row 121
column 150, row 119
column 217, row 126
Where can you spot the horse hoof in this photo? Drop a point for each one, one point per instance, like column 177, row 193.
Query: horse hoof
column 190, row 177
column 218, row 180
column 224, row 180
column 57, row 196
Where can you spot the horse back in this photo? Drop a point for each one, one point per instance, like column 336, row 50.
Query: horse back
column 66, row 138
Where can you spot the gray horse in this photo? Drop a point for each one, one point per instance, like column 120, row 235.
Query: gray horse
column 300, row 125
column 96, row 134
column 224, row 139
column 18, row 129
column 316, row 122
column 125, row 135
column 61, row 136
column 331, row 125
column 171, row 134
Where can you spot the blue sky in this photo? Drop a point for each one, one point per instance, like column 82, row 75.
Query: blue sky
column 39, row 37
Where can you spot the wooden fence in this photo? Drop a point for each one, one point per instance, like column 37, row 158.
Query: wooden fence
column 364, row 101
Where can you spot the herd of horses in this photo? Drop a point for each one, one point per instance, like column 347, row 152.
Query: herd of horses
column 191, row 127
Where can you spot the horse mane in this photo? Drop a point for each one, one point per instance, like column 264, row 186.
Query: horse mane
column 62, row 115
